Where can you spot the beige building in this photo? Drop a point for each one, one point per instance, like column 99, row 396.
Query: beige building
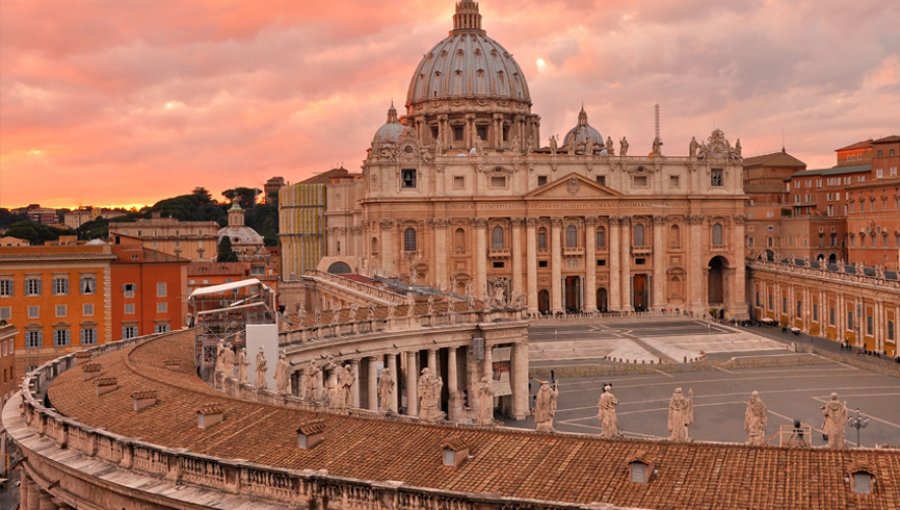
column 193, row 240
column 462, row 195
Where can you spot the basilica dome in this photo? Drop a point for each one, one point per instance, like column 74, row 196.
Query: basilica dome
column 468, row 64
column 391, row 131
column 582, row 132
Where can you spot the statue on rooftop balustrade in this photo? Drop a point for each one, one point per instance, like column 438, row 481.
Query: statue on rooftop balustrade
column 485, row 391
column 606, row 413
column 228, row 362
column 835, row 427
column 386, row 394
column 429, row 388
column 283, row 376
column 243, row 366
column 261, row 368
column 545, row 406
column 755, row 418
column 681, row 414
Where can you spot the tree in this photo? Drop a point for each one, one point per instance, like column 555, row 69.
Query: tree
column 198, row 206
column 245, row 196
column 36, row 233
column 225, row 252
column 94, row 229
column 8, row 217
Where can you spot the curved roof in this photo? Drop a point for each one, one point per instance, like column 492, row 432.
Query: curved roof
column 391, row 131
column 582, row 132
column 468, row 64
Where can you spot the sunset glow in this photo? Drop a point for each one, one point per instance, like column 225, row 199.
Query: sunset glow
column 128, row 102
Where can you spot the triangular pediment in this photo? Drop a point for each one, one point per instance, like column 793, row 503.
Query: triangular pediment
column 573, row 186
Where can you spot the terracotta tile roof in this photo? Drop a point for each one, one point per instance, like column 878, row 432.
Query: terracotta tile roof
column 858, row 145
column 888, row 139
column 778, row 159
column 520, row 464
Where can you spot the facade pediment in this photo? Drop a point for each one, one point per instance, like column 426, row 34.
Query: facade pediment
column 573, row 186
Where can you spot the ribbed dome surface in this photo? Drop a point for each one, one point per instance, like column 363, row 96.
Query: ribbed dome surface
column 391, row 131
column 240, row 235
column 580, row 133
column 468, row 64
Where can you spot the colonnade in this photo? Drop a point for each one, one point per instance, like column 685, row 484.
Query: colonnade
column 33, row 497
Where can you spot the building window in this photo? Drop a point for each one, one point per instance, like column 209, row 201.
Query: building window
column 639, row 235
column 770, row 302
column 482, row 132
column 161, row 289
column 870, row 325
column 832, row 316
column 374, row 245
column 639, row 181
column 498, row 264
column 87, row 309
column 862, row 482
column 815, row 312
column 5, row 313
column 542, row 180
column 890, row 330
column 497, row 238
column 674, row 236
column 128, row 290
column 162, row 327
column 601, row 180
column 571, row 236
column 61, row 285
column 639, row 472
column 162, row 307
column 718, row 235
column 32, row 286
column 799, row 308
column 129, row 308
column 88, row 336
column 6, row 287
column 34, row 339
column 849, row 320
column 543, row 264
column 457, row 133
column 409, row 240
column 758, row 302
column 459, row 182
column 459, row 240
column 88, row 284
column 542, row 239
column 784, row 307
column 129, row 332
column 601, row 238
column 674, row 181
column 62, row 310
column 60, row 337
column 408, row 178
column 498, row 181
column 34, row 312
column 717, row 178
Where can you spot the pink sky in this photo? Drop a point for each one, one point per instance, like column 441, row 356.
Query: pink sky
column 129, row 102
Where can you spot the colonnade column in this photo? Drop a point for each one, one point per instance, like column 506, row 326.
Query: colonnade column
column 440, row 253
column 625, row 263
column 480, row 258
column 516, row 249
column 388, row 248
column 432, row 361
column 470, row 131
column 354, row 388
column 531, row 263
column 615, row 291
column 392, row 366
column 519, row 380
column 373, row 383
column 840, row 312
column 454, row 405
column 590, row 265
column 695, row 268
column 659, row 263
column 556, row 265
column 738, row 248
column 412, row 379
column 46, row 502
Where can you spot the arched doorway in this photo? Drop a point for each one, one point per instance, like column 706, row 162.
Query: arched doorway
column 832, row 259
column 767, row 255
column 544, row 301
column 339, row 268
column 602, row 300
column 716, row 281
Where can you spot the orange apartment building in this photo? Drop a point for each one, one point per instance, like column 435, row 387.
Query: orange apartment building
column 58, row 298
column 873, row 217
column 149, row 290
column 765, row 183
column 8, row 380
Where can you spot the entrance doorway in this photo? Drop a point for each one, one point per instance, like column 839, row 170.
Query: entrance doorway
column 602, row 300
column 573, row 294
column 544, row 301
column 716, row 281
column 641, row 296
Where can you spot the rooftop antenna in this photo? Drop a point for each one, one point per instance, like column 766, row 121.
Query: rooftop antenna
column 656, row 118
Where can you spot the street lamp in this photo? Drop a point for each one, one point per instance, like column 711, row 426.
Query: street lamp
column 858, row 421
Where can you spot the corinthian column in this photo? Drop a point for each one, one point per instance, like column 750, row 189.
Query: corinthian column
column 531, row 252
column 480, row 257
column 556, row 265
column 659, row 263
column 615, row 291
column 440, row 253
column 517, row 256
column 590, row 264
column 412, row 380
column 696, row 271
column 625, row 263
column 388, row 247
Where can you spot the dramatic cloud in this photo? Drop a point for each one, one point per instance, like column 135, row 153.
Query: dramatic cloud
column 130, row 102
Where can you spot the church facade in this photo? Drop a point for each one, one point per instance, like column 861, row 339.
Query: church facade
column 460, row 194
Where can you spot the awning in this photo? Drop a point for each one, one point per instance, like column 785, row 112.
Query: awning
column 224, row 287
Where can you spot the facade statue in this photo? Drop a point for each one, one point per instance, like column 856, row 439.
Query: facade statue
column 331, row 393
column 410, row 304
column 681, row 414
column 835, row 426
column 430, row 396
column 514, row 143
column 609, row 146
column 261, row 368
column 554, row 145
column 386, row 396
column 220, row 362
column 755, row 418
column 529, row 144
column 345, row 381
column 588, row 146
column 431, row 304
column 485, row 392
column 370, row 314
column 228, row 362
column 692, row 148
column 545, row 406
column 243, row 366
column 623, row 147
column 737, row 149
column 282, row 376
column 606, row 413
column 657, row 147
column 311, row 385
column 479, row 146
column 392, row 310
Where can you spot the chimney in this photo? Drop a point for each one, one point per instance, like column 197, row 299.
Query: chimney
column 455, row 451
column 172, row 364
column 82, row 357
column 143, row 399
column 209, row 415
column 310, row 433
column 106, row 384
column 90, row 371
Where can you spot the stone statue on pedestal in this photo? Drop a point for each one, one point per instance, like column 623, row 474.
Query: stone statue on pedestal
column 623, row 147
column 681, row 414
column 554, row 145
column 485, row 392
column 410, row 304
column 606, row 413
column 386, row 396
column 345, row 380
column 261, row 368
column 545, row 406
column 430, row 396
column 755, row 418
column 692, row 148
column 243, row 366
column 282, row 376
column 835, row 426
column 228, row 362
column 311, row 387
column 220, row 362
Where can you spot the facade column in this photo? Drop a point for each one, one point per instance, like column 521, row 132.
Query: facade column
column 531, row 263
column 46, row 501
column 556, row 266
column 392, row 365
column 372, row 385
column 442, row 129
column 695, row 267
column 354, row 388
column 841, row 316
column 590, row 264
column 659, row 263
column 34, row 496
column 480, row 258
column 454, row 403
column 615, row 290
column 519, row 380
column 517, row 288
column 412, row 379
column 440, row 253
column 739, row 248
column 432, row 361
column 470, row 131
column 388, row 247
column 488, row 362
column 625, row 263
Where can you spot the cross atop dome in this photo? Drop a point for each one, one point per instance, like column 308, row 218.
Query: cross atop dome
column 467, row 16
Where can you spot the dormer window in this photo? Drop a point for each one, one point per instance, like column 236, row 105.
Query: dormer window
column 862, row 482
column 640, row 471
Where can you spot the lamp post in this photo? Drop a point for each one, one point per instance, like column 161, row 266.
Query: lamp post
column 858, row 421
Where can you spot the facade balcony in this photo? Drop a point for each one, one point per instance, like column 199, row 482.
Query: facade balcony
column 498, row 253
column 573, row 251
column 641, row 250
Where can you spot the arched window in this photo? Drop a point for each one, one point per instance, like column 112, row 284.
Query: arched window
column 639, row 235
column 675, row 236
column 571, row 236
column 459, row 240
column 601, row 238
column 374, row 245
column 409, row 240
column 542, row 239
column 497, row 241
column 718, row 234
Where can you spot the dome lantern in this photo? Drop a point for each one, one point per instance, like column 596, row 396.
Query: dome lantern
column 467, row 16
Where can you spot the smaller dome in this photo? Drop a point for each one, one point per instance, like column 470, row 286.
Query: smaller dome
column 391, row 131
column 240, row 236
column 582, row 132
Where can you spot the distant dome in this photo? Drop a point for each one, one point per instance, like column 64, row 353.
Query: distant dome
column 240, row 235
column 391, row 131
column 583, row 131
column 468, row 64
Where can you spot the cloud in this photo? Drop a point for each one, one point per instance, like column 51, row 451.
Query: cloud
column 130, row 102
